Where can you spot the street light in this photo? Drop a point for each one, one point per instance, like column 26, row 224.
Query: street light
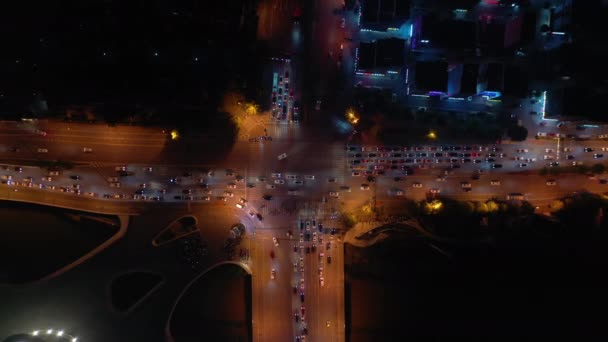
column 174, row 134
column 252, row 109
column 432, row 135
column 55, row 333
column 352, row 117
column 434, row 206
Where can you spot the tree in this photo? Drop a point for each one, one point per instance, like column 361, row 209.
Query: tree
column 492, row 206
column 598, row 168
column 518, row 133
column 348, row 220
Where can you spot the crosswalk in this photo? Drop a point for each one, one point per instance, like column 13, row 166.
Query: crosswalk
column 284, row 131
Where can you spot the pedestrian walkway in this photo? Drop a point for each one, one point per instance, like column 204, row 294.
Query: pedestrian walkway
column 284, row 131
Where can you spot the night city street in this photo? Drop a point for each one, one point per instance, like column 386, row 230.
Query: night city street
column 289, row 170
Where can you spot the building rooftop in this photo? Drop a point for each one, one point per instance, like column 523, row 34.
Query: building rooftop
column 384, row 11
column 432, row 75
column 383, row 53
column 446, row 4
column 447, row 33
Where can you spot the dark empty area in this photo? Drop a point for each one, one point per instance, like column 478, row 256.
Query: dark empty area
column 215, row 308
column 511, row 289
column 127, row 289
column 39, row 240
column 469, row 79
column 432, row 75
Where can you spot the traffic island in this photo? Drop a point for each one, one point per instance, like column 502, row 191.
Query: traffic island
column 176, row 230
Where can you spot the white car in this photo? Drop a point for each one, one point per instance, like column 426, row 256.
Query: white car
column 318, row 105
column 551, row 182
column 435, row 191
column 231, row 186
column 279, row 181
column 275, row 241
column 239, row 205
column 115, row 185
column 495, row 182
column 87, row 150
column 309, row 177
column 228, row 194
column 282, row 156
column 334, row 194
column 322, row 281
column 43, row 150
column 398, row 193
column 364, row 186
column 417, row 185
column 273, row 274
column 440, row 179
column 270, row 186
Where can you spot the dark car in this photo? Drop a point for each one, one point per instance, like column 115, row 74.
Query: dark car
column 267, row 197
column 302, row 297
column 75, row 177
column 329, row 259
column 259, row 216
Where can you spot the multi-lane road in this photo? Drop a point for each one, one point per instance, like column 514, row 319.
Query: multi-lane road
column 296, row 290
column 275, row 304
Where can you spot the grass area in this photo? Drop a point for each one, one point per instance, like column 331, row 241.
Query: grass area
column 216, row 308
column 181, row 227
column 128, row 289
column 48, row 164
column 528, row 281
column 39, row 240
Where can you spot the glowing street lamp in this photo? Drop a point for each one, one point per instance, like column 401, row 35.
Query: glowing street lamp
column 174, row 134
column 352, row 117
column 434, row 206
column 251, row 109
column 55, row 333
column 432, row 135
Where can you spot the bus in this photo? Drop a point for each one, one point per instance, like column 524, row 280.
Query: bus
column 515, row 196
column 275, row 79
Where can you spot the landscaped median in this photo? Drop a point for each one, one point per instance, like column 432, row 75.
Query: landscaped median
column 179, row 228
